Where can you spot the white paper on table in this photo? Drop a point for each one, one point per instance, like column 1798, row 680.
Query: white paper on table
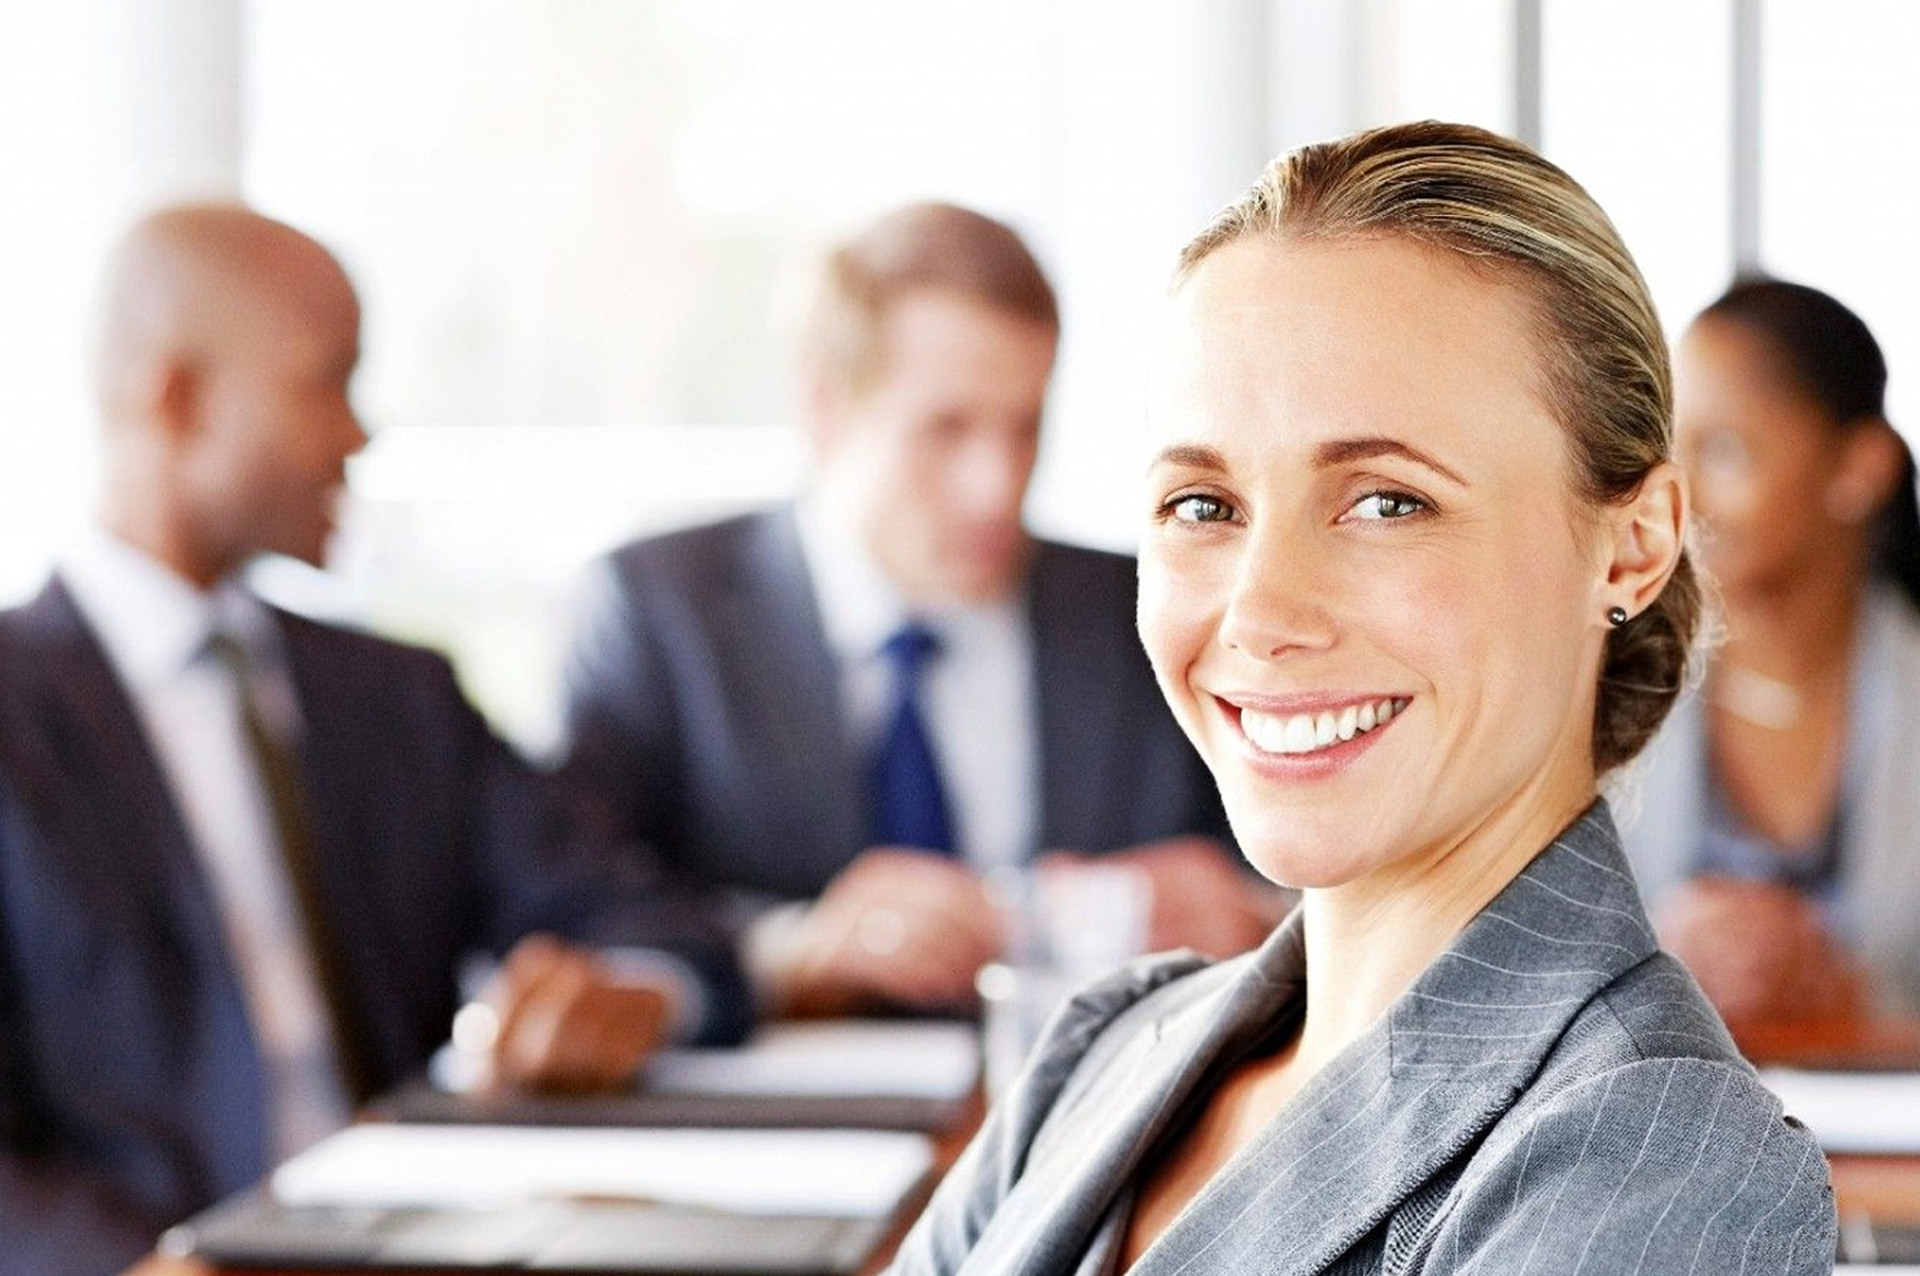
column 1863, row 1112
column 833, row 1173
column 844, row 1058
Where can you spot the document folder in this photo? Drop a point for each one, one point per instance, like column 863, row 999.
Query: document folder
column 856, row 1074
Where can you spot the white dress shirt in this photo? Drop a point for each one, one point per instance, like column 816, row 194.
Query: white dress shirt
column 154, row 627
column 977, row 692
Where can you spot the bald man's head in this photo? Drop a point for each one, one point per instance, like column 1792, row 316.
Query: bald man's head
column 196, row 281
column 227, row 342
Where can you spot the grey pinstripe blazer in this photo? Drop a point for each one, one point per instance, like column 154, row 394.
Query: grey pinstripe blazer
column 1552, row 1095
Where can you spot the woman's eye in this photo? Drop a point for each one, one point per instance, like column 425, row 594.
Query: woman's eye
column 1382, row 506
column 1200, row 509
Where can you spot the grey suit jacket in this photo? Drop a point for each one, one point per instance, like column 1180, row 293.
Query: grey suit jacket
column 1879, row 884
column 1552, row 1095
column 704, row 711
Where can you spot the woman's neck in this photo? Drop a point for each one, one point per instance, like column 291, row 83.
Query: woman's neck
column 1368, row 940
column 1794, row 635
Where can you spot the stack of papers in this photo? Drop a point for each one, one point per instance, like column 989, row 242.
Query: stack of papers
column 866, row 1074
column 820, row 1173
column 1859, row 1112
column 846, row 1058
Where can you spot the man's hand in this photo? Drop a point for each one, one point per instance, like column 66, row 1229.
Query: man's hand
column 569, row 1023
column 896, row 926
column 1760, row 952
column 1202, row 898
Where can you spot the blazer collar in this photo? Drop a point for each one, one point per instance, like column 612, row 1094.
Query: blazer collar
column 1446, row 1061
column 782, row 649
column 82, row 723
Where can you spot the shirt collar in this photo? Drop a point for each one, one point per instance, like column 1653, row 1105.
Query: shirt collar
column 860, row 608
column 151, row 622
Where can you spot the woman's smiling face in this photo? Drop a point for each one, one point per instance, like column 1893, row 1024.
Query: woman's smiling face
column 1361, row 511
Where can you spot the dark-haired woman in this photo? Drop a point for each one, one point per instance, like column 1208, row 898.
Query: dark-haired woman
column 1779, row 840
column 1412, row 579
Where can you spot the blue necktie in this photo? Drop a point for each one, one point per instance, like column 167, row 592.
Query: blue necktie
column 907, row 805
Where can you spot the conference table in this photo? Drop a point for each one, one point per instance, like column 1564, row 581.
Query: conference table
column 1885, row 1189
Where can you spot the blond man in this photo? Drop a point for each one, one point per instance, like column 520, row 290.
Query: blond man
column 845, row 713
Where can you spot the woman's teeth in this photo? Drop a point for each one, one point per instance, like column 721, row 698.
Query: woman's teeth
column 1312, row 732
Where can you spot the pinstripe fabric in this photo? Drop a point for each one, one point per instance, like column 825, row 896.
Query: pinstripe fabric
column 1552, row 1095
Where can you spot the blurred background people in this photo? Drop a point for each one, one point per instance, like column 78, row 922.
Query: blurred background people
column 242, row 854
column 846, row 711
column 1778, row 837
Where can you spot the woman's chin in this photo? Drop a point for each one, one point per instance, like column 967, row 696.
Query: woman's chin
column 1301, row 864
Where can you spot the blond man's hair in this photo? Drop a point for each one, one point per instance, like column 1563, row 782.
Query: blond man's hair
column 928, row 247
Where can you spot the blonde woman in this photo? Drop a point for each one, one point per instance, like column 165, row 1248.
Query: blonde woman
column 1413, row 581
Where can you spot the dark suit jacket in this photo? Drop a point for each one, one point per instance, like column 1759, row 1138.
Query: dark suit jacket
column 1553, row 1095
column 130, row 1086
column 704, row 711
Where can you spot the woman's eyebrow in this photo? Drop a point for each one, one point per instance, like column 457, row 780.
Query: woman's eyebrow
column 1190, row 455
column 1345, row 451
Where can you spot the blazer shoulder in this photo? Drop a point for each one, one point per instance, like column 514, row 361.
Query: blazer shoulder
column 1080, row 570
column 1664, row 1014
column 1082, row 597
column 1652, row 1011
column 48, row 618
column 1646, row 1143
column 332, row 650
column 1656, row 1165
column 1086, row 558
column 689, row 556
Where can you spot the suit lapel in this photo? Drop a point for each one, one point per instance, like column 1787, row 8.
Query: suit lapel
column 1144, row 1069
column 89, row 719
column 1396, row 1108
column 332, row 748
column 110, row 808
column 790, row 718
column 1354, row 1144
column 1447, row 1060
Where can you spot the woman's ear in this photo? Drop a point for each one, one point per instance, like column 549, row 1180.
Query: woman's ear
column 1872, row 460
column 1649, row 531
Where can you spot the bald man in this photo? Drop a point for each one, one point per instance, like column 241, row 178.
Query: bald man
column 243, row 854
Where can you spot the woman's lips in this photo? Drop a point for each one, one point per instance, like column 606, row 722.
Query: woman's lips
column 1303, row 734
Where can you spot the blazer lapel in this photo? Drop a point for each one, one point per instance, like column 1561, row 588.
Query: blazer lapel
column 1088, row 1152
column 132, row 842
column 86, row 715
column 792, row 718
column 1448, row 1059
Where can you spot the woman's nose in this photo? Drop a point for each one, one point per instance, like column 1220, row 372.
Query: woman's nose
column 1279, row 598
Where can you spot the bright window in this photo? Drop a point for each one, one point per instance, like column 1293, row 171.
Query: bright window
column 1839, row 181
column 1637, row 106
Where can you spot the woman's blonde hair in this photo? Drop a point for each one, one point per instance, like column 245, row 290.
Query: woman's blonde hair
column 1604, row 359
